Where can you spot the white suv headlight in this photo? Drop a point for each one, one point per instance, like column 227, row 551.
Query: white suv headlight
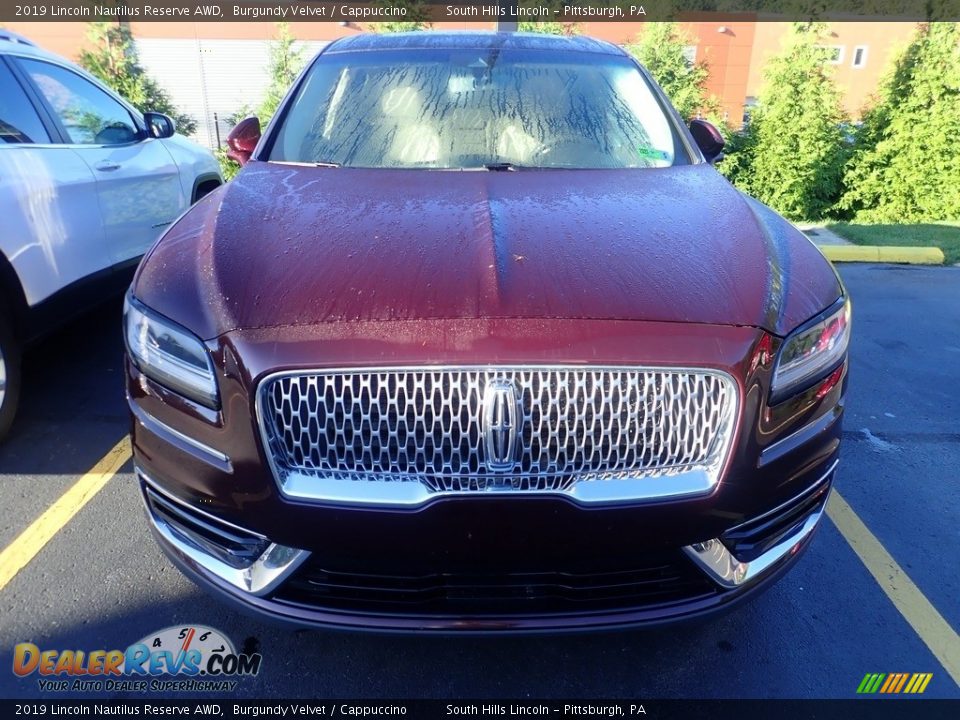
column 811, row 351
column 169, row 354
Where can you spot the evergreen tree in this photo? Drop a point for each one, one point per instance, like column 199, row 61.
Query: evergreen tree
column 114, row 60
column 791, row 154
column 661, row 49
column 906, row 160
column 286, row 62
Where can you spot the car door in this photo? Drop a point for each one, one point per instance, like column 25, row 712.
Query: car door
column 138, row 183
column 51, row 232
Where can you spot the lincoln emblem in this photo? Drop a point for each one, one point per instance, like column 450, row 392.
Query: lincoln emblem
column 500, row 424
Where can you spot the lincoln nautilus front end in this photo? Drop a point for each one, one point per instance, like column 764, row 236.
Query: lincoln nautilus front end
column 479, row 340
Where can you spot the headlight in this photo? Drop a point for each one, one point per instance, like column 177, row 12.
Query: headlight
column 811, row 351
column 169, row 354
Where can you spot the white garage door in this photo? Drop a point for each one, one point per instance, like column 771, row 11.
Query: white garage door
column 212, row 79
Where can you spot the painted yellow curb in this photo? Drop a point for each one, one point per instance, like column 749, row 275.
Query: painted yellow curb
column 877, row 253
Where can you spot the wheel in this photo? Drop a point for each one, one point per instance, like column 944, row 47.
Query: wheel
column 9, row 375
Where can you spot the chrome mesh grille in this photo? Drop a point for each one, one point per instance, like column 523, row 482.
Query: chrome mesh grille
column 424, row 425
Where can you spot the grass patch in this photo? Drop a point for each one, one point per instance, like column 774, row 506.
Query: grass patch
column 944, row 235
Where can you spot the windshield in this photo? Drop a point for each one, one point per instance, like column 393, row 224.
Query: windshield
column 474, row 109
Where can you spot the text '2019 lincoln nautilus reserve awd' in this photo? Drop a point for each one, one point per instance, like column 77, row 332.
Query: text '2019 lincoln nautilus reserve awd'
column 478, row 341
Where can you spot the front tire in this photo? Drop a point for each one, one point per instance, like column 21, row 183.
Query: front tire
column 9, row 375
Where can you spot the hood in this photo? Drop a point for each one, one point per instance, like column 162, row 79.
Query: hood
column 290, row 245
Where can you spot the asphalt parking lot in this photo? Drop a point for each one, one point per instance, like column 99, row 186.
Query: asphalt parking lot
column 101, row 582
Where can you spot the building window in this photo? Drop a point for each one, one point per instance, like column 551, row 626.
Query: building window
column 860, row 56
column 749, row 104
column 834, row 53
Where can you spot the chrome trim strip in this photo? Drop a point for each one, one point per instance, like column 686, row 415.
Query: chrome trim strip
column 795, row 499
column 138, row 471
column 800, row 437
column 723, row 568
column 161, row 429
column 410, row 494
column 622, row 490
column 259, row 578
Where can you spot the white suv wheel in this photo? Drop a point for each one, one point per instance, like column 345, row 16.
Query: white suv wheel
column 9, row 375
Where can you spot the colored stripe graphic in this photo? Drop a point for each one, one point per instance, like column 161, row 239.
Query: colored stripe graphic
column 871, row 683
column 893, row 683
column 903, row 681
column 919, row 683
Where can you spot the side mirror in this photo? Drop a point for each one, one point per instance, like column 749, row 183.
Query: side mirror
column 159, row 126
column 708, row 139
column 243, row 139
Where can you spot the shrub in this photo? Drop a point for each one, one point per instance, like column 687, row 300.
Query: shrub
column 791, row 154
column 906, row 162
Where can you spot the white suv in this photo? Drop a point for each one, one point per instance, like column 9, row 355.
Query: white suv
column 87, row 183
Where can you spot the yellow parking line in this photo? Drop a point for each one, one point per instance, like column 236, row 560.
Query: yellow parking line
column 23, row 549
column 927, row 623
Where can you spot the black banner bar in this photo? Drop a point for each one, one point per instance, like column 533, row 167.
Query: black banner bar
column 431, row 11
column 212, row 707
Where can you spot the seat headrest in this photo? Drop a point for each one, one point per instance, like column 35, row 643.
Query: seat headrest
column 402, row 102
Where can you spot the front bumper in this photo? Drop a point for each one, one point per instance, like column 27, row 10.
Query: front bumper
column 484, row 564
column 290, row 586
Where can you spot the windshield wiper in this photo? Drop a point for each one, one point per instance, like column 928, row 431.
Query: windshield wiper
column 501, row 167
column 326, row 164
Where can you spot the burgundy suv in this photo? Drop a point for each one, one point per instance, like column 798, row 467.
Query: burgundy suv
column 479, row 340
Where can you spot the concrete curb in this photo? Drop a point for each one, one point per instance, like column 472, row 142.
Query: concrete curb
column 877, row 253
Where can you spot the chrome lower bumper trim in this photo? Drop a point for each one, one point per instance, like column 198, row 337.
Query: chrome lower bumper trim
column 723, row 567
column 259, row 577
column 622, row 490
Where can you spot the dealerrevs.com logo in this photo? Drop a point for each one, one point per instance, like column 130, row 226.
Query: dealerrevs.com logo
column 200, row 658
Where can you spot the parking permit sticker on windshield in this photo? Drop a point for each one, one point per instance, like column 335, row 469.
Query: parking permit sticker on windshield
column 649, row 153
